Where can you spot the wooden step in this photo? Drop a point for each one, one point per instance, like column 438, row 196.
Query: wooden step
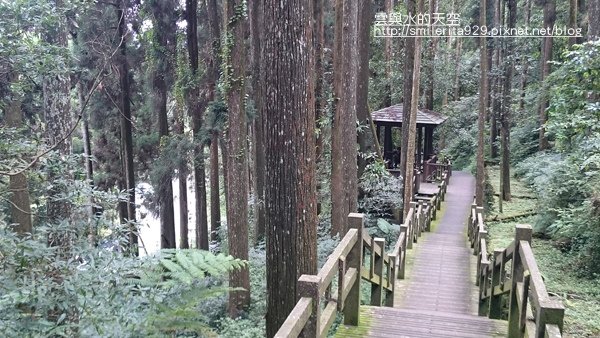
column 385, row 322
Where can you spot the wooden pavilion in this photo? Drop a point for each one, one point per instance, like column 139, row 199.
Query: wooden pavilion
column 389, row 120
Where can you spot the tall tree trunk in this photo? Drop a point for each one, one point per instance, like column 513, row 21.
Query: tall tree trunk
column 348, row 104
column 290, row 182
column 319, row 43
column 20, row 206
column 256, row 21
column 483, row 90
column 525, row 72
column 365, row 19
column 57, row 115
column 89, row 164
column 506, row 111
column 406, row 171
column 196, row 106
column 126, row 127
column 164, row 38
column 411, row 127
column 549, row 20
column 215, row 196
column 593, row 12
column 495, row 88
column 237, row 166
column 573, row 10
column 429, row 92
column 182, row 175
column 387, row 98
column 339, row 211
column 457, row 56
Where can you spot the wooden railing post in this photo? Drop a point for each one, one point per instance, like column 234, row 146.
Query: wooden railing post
column 496, row 300
column 550, row 312
column 308, row 286
column 377, row 268
column 389, row 296
column 354, row 260
column 483, row 286
column 402, row 253
column 522, row 233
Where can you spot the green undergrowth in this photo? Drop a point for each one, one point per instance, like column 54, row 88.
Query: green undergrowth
column 580, row 296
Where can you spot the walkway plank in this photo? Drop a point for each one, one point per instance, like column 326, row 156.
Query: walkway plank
column 438, row 298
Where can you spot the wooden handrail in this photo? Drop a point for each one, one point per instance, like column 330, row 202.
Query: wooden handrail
column 310, row 319
column 532, row 312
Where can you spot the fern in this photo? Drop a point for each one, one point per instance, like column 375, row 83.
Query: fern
column 190, row 265
column 183, row 275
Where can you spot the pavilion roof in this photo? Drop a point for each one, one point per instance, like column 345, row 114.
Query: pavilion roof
column 394, row 115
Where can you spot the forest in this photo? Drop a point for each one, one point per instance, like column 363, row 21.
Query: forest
column 171, row 168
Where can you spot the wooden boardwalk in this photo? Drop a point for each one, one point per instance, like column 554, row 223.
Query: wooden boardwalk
column 438, row 298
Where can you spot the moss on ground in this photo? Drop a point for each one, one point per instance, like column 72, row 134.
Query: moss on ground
column 581, row 296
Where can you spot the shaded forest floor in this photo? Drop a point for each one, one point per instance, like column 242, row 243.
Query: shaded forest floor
column 581, row 295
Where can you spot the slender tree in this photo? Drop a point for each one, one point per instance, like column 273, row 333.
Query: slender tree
column 259, row 154
column 547, row 43
column 126, row 124
column 411, row 112
column 339, row 210
column 365, row 20
column 509, row 67
column 593, row 11
column 432, row 51
column 525, row 72
column 196, row 107
column 237, row 166
column 289, row 124
column 57, row 113
column 20, row 205
column 387, row 99
column 213, row 62
column 483, row 90
column 573, row 23
column 406, row 172
column 348, row 106
column 163, row 58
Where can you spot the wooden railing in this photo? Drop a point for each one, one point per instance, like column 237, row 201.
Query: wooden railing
column 513, row 272
column 318, row 302
column 434, row 171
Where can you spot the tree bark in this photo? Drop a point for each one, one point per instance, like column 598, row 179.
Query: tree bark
column 163, row 45
column 525, row 72
column 365, row 19
column 57, row 115
column 237, row 169
column 387, row 99
column 549, row 20
column 257, row 88
column 593, row 12
column 126, row 128
column 197, row 106
column 348, row 106
column 290, row 182
column 411, row 127
column 573, row 10
column 215, row 196
column 483, row 90
column 458, row 56
column 319, row 43
column 20, row 205
column 507, row 106
column 339, row 204
column 182, row 175
column 406, row 173
column 429, row 92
